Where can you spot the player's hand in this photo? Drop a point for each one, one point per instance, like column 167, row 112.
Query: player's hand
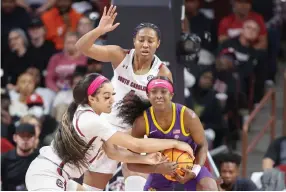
column 189, row 175
column 107, row 19
column 185, row 147
column 167, row 168
column 155, row 158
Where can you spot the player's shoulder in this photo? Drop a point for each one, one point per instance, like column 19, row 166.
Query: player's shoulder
column 165, row 71
column 189, row 113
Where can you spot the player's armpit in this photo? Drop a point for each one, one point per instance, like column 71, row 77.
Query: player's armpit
column 139, row 128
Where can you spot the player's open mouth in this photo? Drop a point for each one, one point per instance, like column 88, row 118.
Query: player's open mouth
column 144, row 52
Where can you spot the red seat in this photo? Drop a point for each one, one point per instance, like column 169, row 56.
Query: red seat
column 6, row 145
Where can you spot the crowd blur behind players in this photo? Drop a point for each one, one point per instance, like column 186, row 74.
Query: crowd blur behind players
column 30, row 41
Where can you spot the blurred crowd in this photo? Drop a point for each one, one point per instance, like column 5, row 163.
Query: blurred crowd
column 41, row 65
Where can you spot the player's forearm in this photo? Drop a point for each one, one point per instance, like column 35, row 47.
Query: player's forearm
column 150, row 145
column 140, row 168
column 201, row 154
column 126, row 156
column 87, row 40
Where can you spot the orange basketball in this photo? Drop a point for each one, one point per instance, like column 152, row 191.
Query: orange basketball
column 181, row 157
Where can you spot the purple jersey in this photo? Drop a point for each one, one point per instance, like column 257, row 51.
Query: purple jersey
column 177, row 131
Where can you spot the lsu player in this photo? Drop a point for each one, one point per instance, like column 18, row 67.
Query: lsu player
column 159, row 117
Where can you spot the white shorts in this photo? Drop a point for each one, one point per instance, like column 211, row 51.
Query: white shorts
column 42, row 175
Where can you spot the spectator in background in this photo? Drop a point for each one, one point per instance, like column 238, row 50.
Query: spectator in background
column 276, row 154
column 204, row 103
column 25, row 87
column 271, row 10
column 231, row 26
column 18, row 59
column 33, row 120
column 47, row 94
column 42, row 49
column 250, row 60
column 36, row 108
column 84, row 25
column 62, row 65
column 14, row 164
column 59, row 20
column 94, row 66
column 64, row 98
column 12, row 16
column 199, row 24
column 228, row 165
column 36, row 7
column 227, row 83
column 7, row 124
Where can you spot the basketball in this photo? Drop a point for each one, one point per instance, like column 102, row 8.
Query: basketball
column 181, row 157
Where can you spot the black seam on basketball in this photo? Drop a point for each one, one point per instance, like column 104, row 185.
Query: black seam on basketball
column 172, row 154
column 180, row 156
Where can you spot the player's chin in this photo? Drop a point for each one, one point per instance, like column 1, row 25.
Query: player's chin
column 107, row 110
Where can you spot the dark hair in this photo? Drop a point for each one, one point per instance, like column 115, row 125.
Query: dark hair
column 132, row 106
column 69, row 146
column 229, row 158
column 147, row 25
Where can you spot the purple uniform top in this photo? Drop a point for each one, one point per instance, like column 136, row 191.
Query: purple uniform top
column 177, row 131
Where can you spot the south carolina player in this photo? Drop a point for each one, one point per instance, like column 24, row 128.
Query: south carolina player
column 132, row 71
column 80, row 137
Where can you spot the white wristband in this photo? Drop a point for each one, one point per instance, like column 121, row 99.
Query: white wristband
column 196, row 169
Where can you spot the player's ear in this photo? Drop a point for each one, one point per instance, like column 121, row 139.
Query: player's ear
column 172, row 95
column 91, row 99
column 158, row 44
column 134, row 39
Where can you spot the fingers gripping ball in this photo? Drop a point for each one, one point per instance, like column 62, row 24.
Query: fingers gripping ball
column 183, row 159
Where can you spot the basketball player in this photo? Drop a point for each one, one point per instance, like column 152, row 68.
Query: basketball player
column 132, row 71
column 82, row 133
column 167, row 120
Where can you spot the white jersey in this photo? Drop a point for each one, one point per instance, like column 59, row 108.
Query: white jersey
column 92, row 129
column 125, row 80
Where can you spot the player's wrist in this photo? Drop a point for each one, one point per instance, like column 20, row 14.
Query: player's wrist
column 196, row 169
column 100, row 30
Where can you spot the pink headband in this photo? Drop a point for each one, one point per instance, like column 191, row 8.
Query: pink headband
column 160, row 83
column 95, row 84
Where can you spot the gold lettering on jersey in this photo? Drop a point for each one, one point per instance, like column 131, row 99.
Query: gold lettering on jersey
column 131, row 84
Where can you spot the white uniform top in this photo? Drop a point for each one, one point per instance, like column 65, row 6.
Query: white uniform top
column 125, row 80
column 89, row 126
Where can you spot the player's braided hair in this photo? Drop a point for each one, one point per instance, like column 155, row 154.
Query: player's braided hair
column 68, row 145
column 133, row 106
column 147, row 25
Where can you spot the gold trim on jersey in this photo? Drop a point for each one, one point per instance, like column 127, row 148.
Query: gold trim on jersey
column 173, row 119
column 182, row 121
column 146, row 123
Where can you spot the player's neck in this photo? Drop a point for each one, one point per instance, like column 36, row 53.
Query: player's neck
column 161, row 114
column 141, row 63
